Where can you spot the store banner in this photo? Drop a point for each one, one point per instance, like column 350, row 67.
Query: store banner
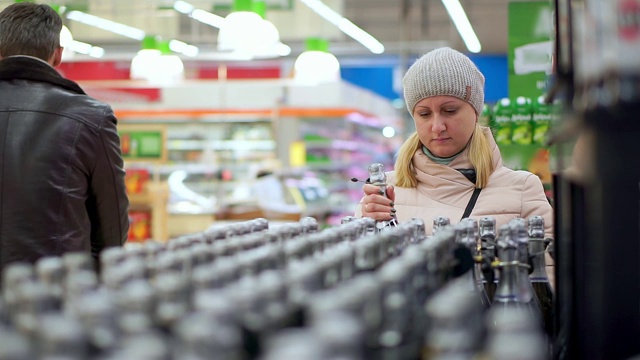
column 530, row 48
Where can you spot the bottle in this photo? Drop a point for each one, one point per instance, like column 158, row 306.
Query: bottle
column 378, row 178
column 456, row 321
column 341, row 335
column 201, row 336
column 466, row 252
column 310, row 224
column 514, row 334
column 439, row 222
column 61, row 337
column 538, row 277
column 13, row 275
column 97, row 315
column 521, row 121
column 172, row 293
column 294, row 343
column 14, row 346
column 33, row 301
column 136, row 307
column 487, row 226
column 542, row 117
column 519, row 233
column 50, row 271
column 419, row 230
column 397, row 317
column 508, row 291
column 502, row 112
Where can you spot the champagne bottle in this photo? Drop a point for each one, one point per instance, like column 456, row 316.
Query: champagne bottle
column 508, row 294
column 61, row 337
column 14, row 346
column 513, row 333
column 538, row 277
column 487, row 227
column 50, row 271
column 200, row 336
column 136, row 307
column 378, row 178
column 456, row 323
column 465, row 253
column 341, row 335
column 13, row 275
column 439, row 222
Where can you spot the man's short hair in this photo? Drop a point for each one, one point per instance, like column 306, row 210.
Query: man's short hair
column 29, row 29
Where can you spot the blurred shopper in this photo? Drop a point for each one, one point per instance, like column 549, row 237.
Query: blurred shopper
column 61, row 172
column 451, row 159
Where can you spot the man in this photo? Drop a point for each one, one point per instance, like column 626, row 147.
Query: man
column 61, row 171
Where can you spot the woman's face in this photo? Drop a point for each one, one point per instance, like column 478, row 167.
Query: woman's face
column 444, row 124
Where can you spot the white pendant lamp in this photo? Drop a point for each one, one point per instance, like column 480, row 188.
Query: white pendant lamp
column 156, row 64
column 246, row 33
column 316, row 65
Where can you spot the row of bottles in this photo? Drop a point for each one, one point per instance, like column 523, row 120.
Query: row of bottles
column 521, row 121
column 244, row 291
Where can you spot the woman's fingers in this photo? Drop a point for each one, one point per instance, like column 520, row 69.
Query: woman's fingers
column 377, row 207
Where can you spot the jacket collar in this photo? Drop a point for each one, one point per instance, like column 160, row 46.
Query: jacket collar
column 28, row 68
column 430, row 172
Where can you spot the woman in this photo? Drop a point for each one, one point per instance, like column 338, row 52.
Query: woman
column 450, row 157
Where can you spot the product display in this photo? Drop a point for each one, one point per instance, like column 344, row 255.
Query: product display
column 247, row 290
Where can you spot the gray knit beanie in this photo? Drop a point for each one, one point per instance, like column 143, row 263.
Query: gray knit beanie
column 444, row 71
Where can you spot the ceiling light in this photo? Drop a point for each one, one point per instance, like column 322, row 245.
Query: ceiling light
column 345, row 25
column 460, row 20
column 108, row 25
column 127, row 31
column 155, row 64
column 316, row 65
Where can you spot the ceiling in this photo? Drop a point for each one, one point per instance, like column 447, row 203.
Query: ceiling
column 406, row 27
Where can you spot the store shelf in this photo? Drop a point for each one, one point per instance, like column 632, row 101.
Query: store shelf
column 154, row 198
column 235, row 145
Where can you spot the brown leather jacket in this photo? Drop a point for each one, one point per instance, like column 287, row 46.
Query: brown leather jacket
column 61, row 172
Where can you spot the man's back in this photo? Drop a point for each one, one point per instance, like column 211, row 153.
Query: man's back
column 61, row 177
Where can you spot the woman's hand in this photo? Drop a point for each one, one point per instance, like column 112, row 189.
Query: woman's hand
column 376, row 205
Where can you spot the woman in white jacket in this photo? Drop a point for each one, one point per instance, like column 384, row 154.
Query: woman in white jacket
column 450, row 155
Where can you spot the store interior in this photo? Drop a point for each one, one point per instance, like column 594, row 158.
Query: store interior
column 220, row 139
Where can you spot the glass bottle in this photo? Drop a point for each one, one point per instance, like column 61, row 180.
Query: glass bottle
column 61, row 337
column 136, row 307
column 466, row 252
column 14, row 346
column 487, row 226
column 538, row 277
column 456, row 323
column 50, row 271
column 200, row 336
column 378, row 178
column 508, row 291
column 13, row 275
column 97, row 315
column 520, row 234
column 514, row 333
column 172, row 291
column 439, row 222
column 34, row 300
column 341, row 335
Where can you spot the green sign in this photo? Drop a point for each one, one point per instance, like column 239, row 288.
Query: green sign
column 142, row 144
column 530, row 48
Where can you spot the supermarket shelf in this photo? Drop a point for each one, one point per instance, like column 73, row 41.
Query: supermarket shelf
column 237, row 145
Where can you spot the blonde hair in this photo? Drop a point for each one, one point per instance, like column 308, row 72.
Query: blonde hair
column 480, row 156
